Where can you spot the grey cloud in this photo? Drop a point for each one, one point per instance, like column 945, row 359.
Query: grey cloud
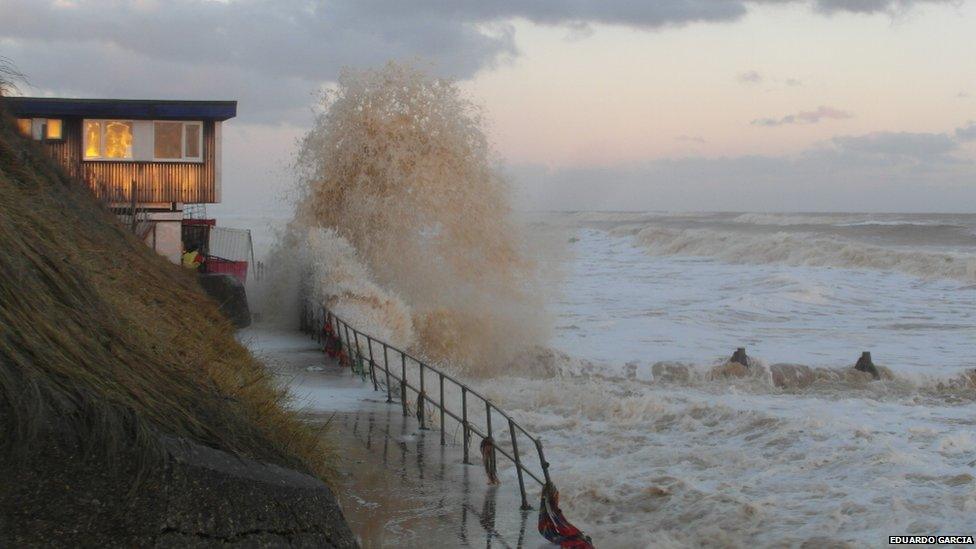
column 270, row 54
column 804, row 117
column 633, row 13
column 268, row 44
column 874, row 172
column 923, row 147
column 871, row 6
column 755, row 77
column 749, row 77
column 967, row 132
column 261, row 99
column 690, row 138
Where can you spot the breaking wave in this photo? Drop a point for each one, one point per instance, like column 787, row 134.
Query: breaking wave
column 801, row 249
column 398, row 169
column 340, row 281
column 850, row 220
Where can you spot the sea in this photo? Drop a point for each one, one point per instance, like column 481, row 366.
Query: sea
column 654, row 444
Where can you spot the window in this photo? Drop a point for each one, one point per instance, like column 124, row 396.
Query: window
column 108, row 139
column 168, row 139
column 192, row 133
column 93, row 139
column 53, row 129
column 40, row 128
column 142, row 140
column 177, row 140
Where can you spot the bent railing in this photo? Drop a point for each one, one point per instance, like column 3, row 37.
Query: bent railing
column 477, row 415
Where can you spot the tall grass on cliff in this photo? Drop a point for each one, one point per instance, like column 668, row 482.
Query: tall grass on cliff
column 398, row 165
column 106, row 345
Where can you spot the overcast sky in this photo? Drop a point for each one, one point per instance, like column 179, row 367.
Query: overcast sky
column 612, row 104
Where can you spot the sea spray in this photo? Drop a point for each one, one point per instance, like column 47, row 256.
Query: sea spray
column 342, row 283
column 397, row 164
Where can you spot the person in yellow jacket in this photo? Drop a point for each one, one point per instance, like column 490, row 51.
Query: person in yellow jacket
column 192, row 259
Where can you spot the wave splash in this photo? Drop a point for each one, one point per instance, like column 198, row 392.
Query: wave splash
column 398, row 168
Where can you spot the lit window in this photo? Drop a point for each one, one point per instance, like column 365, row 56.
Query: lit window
column 118, row 139
column 24, row 126
column 53, row 129
column 108, row 139
column 93, row 138
column 176, row 140
column 40, row 128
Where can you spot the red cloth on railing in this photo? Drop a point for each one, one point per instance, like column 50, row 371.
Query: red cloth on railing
column 488, row 458
column 553, row 525
column 333, row 347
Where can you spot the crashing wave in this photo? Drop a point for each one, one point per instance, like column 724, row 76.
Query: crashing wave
column 801, row 249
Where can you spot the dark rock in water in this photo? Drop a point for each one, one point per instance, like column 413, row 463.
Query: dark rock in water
column 739, row 357
column 201, row 497
column 864, row 364
column 229, row 293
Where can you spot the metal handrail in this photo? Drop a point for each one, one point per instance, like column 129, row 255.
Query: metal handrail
column 314, row 322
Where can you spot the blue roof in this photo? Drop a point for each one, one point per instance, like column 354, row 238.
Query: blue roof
column 146, row 109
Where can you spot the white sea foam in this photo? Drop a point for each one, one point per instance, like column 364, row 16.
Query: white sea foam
column 802, row 249
column 341, row 282
column 711, row 466
column 796, row 219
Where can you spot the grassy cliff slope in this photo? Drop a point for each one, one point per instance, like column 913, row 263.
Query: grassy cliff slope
column 104, row 345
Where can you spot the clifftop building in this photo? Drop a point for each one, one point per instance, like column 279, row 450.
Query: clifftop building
column 144, row 158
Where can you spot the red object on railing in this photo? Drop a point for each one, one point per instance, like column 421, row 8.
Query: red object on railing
column 219, row 265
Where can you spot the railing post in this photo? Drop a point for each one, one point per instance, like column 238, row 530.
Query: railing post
column 488, row 423
column 359, row 353
column 464, row 422
column 403, row 383
column 442, row 406
column 338, row 333
column 542, row 460
column 518, row 464
column 352, row 352
column 386, row 368
column 372, row 365
column 319, row 326
column 420, row 399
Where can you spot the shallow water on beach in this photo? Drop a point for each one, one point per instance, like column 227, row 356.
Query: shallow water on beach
column 396, row 484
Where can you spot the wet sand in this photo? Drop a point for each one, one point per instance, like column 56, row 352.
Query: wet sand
column 397, row 485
